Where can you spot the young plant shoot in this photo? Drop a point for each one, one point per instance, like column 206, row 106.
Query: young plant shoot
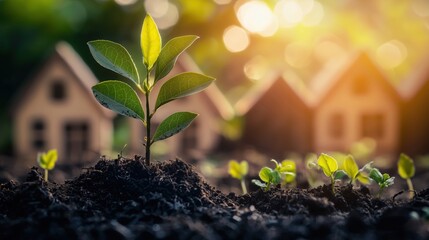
column 406, row 170
column 47, row 161
column 289, row 166
column 329, row 166
column 354, row 173
column 271, row 177
column 239, row 171
column 123, row 97
column 383, row 180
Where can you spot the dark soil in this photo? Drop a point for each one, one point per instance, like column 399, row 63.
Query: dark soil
column 124, row 199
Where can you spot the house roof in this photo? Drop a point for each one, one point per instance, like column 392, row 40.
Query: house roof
column 327, row 80
column 262, row 87
column 72, row 61
column 417, row 78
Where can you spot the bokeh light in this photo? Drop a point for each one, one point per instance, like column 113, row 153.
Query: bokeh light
column 156, row 8
column 235, row 39
column 256, row 68
column 297, row 54
column 222, row 2
column 165, row 13
column 125, row 2
column 255, row 16
column 391, row 54
column 289, row 13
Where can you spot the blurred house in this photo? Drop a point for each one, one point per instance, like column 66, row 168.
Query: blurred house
column 204, row 133
column 354, row 101
column 277, row 118
column 56, row 109
column 415, row 119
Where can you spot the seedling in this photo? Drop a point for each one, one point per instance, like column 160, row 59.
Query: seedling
column 406, row 170
column 383, row 180
column 47, row 161
column 123, row 97
column 329, row 166
column 239, row 171
column 289, row 166
column 354, row 173
column 271, row 177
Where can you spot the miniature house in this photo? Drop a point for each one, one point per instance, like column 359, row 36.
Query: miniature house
column 56, row 109
column 204, row 133
column 277, row 118
column 355, row 100
column 415, row 119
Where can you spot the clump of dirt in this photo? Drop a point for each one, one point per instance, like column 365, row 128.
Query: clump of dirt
column 124, row 199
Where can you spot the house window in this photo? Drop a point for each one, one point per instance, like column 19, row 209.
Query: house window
column 58, row 90
column 190, row 137
column 373, row 125
column 38, row 134
column 336, row 125
column 360, row 85
column 76, row 141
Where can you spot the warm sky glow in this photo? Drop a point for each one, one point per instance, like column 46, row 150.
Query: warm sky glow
column 255, row 16
column 391, row 54
column 235, row 39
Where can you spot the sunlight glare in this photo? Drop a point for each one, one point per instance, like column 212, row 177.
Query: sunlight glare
column 326, row 51
column 255, row 16
column 169, row 19
column 125, row 2
column 297, row 55
column 391, row 54
column 289, row 13
column 222, row 2
column 315, row 15
column 235, row 39
column 156, row 8
column 256, row 68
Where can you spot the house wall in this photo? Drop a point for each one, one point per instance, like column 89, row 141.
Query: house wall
column 344, row 100
column 77, row 106
column 279, row 123
column 415, row 123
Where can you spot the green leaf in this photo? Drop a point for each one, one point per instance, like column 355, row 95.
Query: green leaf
column 238, row 170
column 182, row 85
column 288, row 166
column 328, row 164
column 276, row 177
column 259, row 183
column 173, row 125
column 150, row 42
column 120, row 98
column 265, row 174
column 47, row 160
column 363, row 178
column 350, row 167
column 376, row 175
column 339, row 174
column 406, row 167
column 169, row 54
column 115, row 57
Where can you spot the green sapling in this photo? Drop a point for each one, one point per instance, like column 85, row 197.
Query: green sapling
column 406, row 170
column 354, row 173
column 383, row 180
column 329, row 165
column 47, row 161
column 239, row 171
column 123, row 98
column 271, row 177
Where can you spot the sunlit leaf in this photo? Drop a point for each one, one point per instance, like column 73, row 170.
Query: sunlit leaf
column 150, row 42
column 328, row 164
column 47, row 160
column 173, row 125
column 169, row 54
column 376, row 175
column 120, row 98
column 266, row 174
column 350, row 167
column 406, row 167
column 259, row 183
column 182, row 85
column 115, row 57
column 238, row 170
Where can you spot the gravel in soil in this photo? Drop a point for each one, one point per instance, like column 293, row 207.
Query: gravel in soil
column 124, row 199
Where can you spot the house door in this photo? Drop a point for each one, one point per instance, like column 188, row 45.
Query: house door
column 76, row 140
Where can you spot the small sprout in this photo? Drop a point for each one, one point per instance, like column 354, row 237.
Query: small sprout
column 329, row 166
column 353, row 172
column 239, row 171
column 406, row 170
column 47, row 161
column 383, row 180
column 272, row 176
column 289, row 166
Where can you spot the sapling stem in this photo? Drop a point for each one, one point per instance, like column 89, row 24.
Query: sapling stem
column 243, row 186
column 332, row 184
column 46, row 175
column 410, row 188
column 148, row 118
